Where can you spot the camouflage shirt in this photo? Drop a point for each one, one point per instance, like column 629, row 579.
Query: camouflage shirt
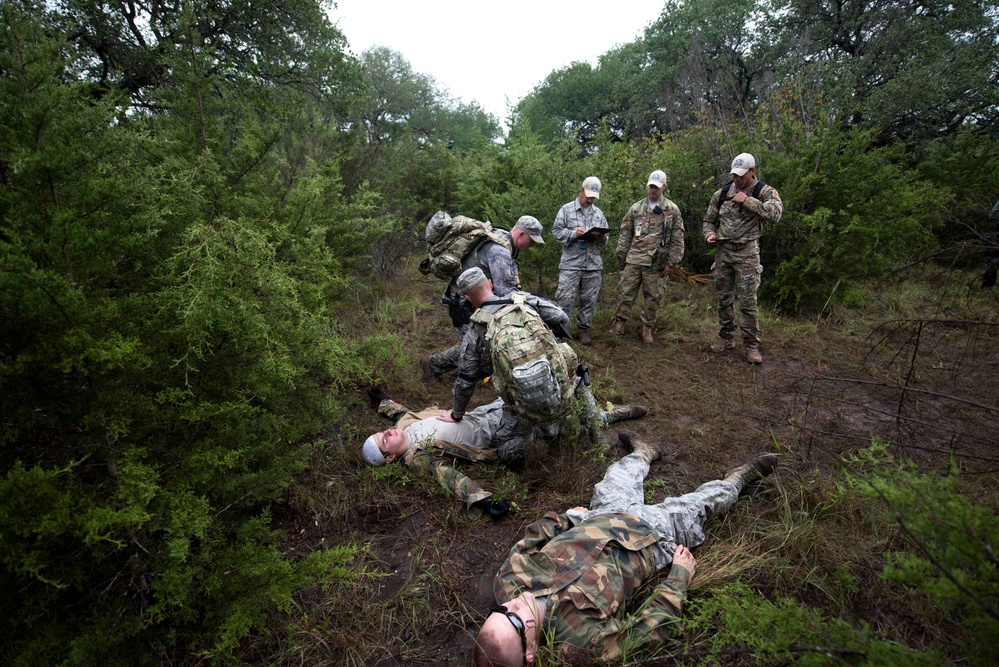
column 576, row 254
column 591, row 572
column 437, row 457
column 742, row 222
column 649, row 238
column 474, row 362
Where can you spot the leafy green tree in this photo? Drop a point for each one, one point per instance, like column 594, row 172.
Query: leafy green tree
column 700, row 57
column 129, row 46
column 168, row 354
column 914, row 70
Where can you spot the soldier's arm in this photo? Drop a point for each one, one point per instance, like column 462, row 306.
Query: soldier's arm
column 469, row 372
column 601, row 221
column 710, row 222
column 770, row 208
column 392, row 410
column 563, row 230
column 675, row 236
column 656, row 621
column 454, row 482
column 550, row 313
column 624, row 240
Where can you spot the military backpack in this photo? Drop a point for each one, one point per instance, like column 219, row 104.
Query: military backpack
column 450, row 240
column 533, row 373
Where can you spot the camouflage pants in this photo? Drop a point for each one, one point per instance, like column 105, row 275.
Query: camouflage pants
column 512, row 436
column 446, row 361
column 677, row 520
column 632, row 278
column 585, row 285
column 737, row 273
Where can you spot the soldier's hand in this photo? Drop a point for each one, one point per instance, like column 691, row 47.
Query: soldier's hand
column 496, row 509
column 710, row 239
column 685, row 559
column 376, row 396
column 739, row 197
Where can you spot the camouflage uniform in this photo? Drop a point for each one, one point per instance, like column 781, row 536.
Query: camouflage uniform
column 586, row 567
column 581, row 264
column 649, row 242
column 435, row 456
column 737, row 269
column 500, row 265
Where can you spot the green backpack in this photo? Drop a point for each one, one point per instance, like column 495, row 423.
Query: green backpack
column 449, row 240
column 533, row 373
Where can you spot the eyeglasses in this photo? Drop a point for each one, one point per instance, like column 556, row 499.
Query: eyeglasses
column 515, row 621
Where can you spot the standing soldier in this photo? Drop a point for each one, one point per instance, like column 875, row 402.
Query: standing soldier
column 651, row 244
column 498, row 260
column 582, row 229
column 734, row 222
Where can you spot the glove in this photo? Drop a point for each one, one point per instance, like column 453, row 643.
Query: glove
column 496, row 509
column 561, row 332
column 376, row 396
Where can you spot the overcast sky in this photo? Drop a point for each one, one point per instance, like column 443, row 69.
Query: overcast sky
column 493, row 53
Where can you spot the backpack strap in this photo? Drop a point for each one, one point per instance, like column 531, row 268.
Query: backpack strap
column 483, row 316
column 723, row 196
column 723, row 193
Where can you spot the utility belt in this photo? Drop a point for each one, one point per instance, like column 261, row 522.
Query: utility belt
column 736, row 246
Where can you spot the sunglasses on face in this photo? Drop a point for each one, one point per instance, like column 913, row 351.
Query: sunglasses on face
column 515, row 621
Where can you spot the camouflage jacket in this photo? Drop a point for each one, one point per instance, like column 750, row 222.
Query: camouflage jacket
column 436, row 457
column 742, row 222
column 576, row 254
column 474, row 362
column 591, row 571
column 498, row 263
column 651, row 239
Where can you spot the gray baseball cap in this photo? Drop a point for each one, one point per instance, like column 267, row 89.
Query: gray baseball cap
column 372, row 455
column 469, row 279
column 530, row 226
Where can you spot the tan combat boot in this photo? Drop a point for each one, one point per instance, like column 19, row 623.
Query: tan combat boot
column 631, row 440
column 756, row 469
column 647, row 335
column 722, row 344
column 753, row 355
column 622, row 412
column 617, row 329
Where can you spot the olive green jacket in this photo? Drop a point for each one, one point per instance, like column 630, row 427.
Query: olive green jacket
column 592, row 571
column 649, row 238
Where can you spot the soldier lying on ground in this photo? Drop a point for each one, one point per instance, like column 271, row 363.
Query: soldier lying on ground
column 573, row 575
column 430, row 442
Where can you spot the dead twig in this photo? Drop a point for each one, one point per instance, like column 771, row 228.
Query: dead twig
column 690, row 278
